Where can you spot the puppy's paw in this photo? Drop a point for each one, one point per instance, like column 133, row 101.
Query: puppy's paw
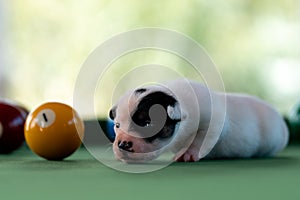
column 190, row 155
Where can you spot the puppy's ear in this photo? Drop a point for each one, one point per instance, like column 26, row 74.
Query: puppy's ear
column 174, row 112
column 112, row 113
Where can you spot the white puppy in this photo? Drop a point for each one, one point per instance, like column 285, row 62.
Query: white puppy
column 195, row 123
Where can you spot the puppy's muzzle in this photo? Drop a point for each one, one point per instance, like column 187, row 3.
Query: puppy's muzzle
column 125, row 145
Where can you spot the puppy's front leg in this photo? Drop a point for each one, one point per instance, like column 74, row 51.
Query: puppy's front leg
column 192, row 154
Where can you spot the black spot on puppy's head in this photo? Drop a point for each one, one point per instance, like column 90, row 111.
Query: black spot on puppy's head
column 155, row 127
column 141, row 114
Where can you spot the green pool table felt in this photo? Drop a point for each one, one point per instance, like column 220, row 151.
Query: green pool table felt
column 24, row 175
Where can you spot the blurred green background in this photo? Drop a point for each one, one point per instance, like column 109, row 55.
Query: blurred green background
column 254, row 44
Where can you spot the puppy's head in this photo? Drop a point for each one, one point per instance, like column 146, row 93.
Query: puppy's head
column 145, row 122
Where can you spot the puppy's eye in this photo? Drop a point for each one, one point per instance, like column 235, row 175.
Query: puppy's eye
column 117, row 125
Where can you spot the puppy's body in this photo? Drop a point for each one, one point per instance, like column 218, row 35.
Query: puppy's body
column 252, row 129
column 198, row 124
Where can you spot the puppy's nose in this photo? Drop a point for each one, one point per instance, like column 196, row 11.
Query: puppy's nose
column 126, row 146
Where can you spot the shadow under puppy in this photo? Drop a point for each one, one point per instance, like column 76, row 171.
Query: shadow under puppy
column 195, row 123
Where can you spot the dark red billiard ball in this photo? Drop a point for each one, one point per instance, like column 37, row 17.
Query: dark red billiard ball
column 12, row 120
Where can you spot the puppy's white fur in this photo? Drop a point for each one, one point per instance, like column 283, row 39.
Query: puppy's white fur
column 213, row 125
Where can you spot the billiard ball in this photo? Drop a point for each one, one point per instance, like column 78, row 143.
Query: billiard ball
column 54, row 131
column 12, row 120
column 110, row 133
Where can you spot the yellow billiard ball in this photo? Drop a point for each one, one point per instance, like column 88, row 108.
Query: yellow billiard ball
column 54, row 131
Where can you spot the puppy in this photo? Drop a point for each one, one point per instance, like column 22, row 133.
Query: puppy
column 195, row 123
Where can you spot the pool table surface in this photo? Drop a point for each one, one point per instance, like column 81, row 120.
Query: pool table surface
column 23, row 175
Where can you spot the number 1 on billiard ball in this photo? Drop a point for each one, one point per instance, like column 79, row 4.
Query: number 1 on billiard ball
column 45, row 118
